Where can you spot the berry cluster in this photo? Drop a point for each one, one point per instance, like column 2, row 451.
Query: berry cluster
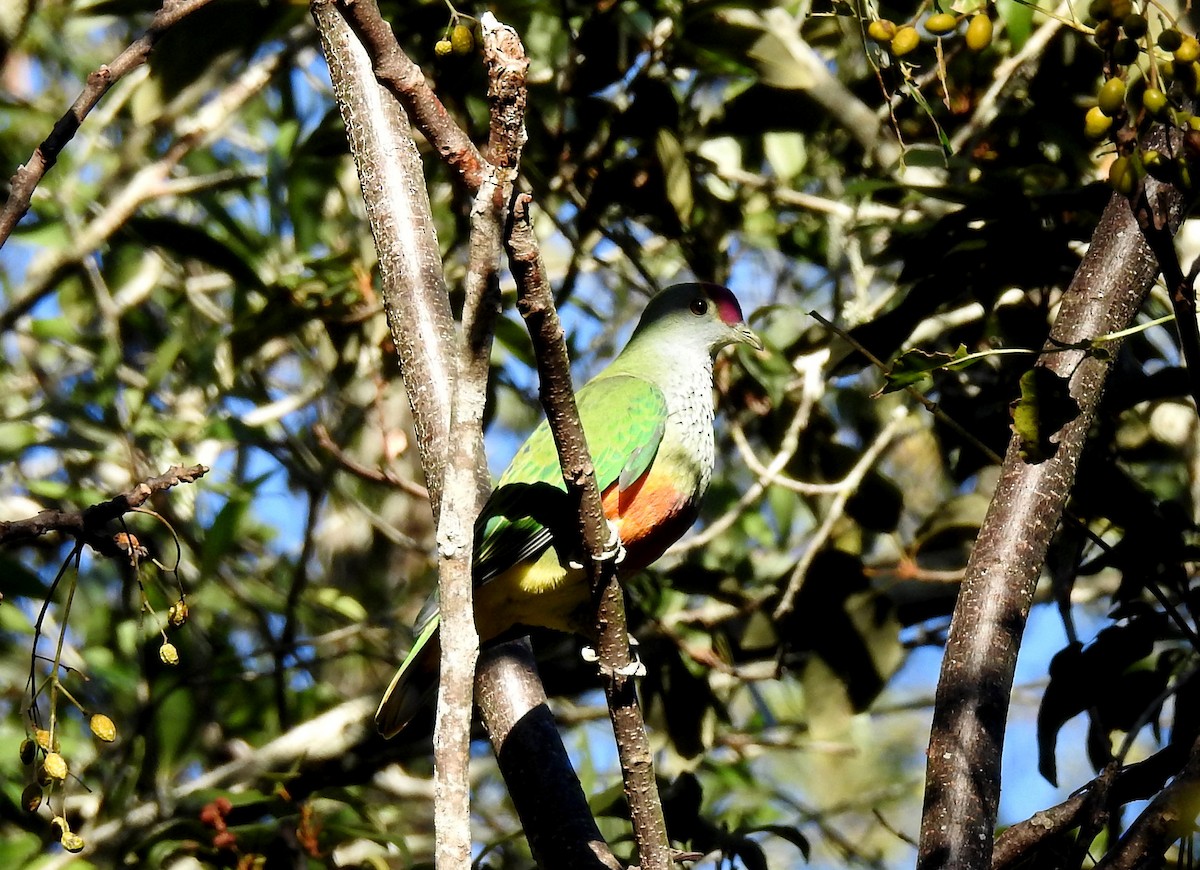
column 903, row 39
column 1148, row 79
column 40, row 753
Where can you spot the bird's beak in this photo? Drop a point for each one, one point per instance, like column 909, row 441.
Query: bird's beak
column 745, row 335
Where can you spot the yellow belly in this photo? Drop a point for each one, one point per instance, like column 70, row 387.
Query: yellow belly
column 542, row 594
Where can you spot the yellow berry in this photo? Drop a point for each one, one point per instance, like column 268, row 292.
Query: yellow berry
column 103, row 728
column 941, row 23
column 1154, row 100
column 442, row 47
column 1188, row 51
column 1096, row 124
column 31, row 797
column 1122, row 176
column 881, row 30
column 42, row 736
column 979, row 32
column 72, row 842
column 55, row 767
column 168, row 653
column 461, row 39
column 905, row 40
column 1111, row 97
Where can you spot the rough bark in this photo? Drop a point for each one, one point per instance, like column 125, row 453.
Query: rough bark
column 962, row 786
column 536, row 303
column 392, row 178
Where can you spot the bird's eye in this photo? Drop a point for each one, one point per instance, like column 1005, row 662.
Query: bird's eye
column 699, row 306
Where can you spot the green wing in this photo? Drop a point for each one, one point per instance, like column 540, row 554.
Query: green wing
column 623, row 417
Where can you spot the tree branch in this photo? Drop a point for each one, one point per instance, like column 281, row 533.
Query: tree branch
column 87, row 525
column 30, row 174
column 536, row 303
column 396, row 72
column 962, row 786
column 392, row 178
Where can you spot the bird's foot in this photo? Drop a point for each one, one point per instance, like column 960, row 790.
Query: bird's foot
column 613, row 551
column 635, row 668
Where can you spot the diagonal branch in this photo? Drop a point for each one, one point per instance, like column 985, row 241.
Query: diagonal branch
column 87, row 525
column 536, row 303
column 397, row 72
column 962, row 785
column 30, row 174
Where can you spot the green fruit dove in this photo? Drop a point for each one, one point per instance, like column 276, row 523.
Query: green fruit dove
column 648, row 418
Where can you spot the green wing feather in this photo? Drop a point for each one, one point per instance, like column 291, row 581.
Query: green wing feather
column 623, row 417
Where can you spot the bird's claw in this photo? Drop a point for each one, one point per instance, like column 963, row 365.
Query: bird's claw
column 635, row 668
column 614, row 550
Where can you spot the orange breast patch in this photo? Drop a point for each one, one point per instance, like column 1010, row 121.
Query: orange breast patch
column 650, row 515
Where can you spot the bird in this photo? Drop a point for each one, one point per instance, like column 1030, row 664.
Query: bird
column 648, row 419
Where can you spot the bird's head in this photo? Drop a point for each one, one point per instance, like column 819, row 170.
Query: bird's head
column 699, row 312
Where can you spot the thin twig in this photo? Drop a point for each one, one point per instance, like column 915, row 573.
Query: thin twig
column 30, row 174
column 88, row 524
column 372, row 475
column 834, row 513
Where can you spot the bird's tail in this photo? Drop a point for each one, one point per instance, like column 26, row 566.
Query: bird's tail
column 413, row 684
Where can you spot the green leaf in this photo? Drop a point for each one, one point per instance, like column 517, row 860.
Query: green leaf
column 1045, row 406
column 913, row 366
column 677, row 174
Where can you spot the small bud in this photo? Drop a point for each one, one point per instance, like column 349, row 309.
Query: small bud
column 28, row 751
column 42, row 736
column 55, row 766
column 31, row 798
column 103, row 728
column 72, row 842
column 177, row 613
column 224, row 840
column 224, row 805
column 442, row 47
column 168, row 653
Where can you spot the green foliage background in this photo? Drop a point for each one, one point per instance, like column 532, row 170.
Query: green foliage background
column 196, row 283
